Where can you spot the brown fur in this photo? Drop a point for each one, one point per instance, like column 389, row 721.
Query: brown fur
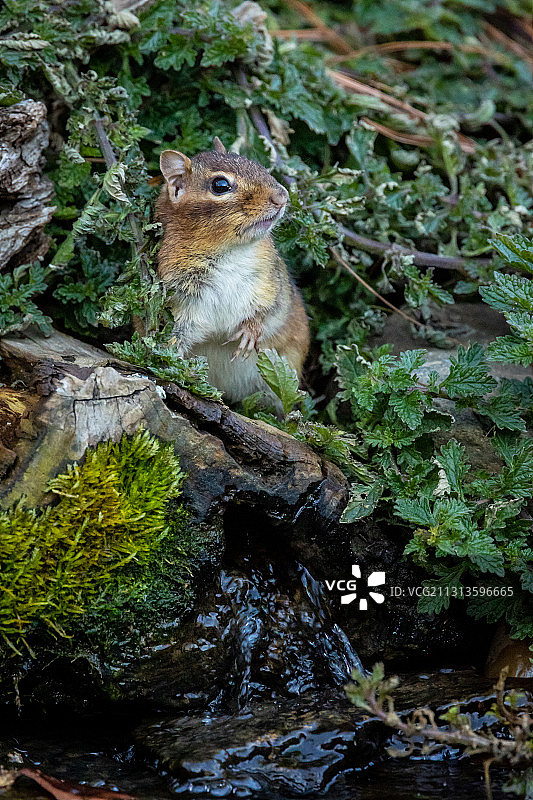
column 200, row 228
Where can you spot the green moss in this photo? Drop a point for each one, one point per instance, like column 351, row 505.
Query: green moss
column 96, row 547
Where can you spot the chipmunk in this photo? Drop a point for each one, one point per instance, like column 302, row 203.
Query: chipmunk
column 224, row 277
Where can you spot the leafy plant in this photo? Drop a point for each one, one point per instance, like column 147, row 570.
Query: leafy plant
column 506, row 737
column 281, row 378
column 17, row 309
column 513, row 296
column 470, row 528
column 81, row 289
column 160, row 358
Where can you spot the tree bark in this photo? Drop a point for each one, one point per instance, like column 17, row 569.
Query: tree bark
column 25, row 194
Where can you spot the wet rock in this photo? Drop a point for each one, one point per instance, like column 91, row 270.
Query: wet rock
column 263, row 633
column 300, row 748
column 292, row 751
column 272, row 629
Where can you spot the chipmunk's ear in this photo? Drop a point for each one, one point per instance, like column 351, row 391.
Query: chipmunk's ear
column 174, row 166
column 218, row 147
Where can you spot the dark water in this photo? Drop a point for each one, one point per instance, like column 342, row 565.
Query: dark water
column 277, row 724
column 280, row 632
column 104, row 755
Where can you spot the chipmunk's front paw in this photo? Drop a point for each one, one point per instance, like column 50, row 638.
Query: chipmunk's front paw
column 249, row 335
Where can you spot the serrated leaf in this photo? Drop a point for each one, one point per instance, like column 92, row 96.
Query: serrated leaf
column 516, row 250
column 452, row 460
column 408, row 406
column 435, row 598
column 417, row 511
column 363, row 501
column 468, row 375
column 281, row 378
column 511, row 349
column 503, row 412
column 485, row 554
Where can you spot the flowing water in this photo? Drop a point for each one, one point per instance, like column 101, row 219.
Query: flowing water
column 280, row 632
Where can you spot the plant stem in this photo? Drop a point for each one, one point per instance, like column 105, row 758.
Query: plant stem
column 139, row 243
column 420, row 258
column 337, row 256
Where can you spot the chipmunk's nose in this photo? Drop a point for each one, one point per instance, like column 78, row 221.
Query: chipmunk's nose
column 279, row 196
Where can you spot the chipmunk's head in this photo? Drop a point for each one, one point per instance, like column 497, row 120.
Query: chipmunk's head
column 220, row 198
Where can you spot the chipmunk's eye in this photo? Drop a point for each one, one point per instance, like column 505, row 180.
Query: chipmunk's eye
column 220, row 186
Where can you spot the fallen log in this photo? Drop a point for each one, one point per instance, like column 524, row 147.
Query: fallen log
column 77, row 396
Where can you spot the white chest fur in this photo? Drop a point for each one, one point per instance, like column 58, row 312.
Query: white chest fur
column 227, row 299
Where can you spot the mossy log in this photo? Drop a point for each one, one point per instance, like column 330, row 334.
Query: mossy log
column 77, row 396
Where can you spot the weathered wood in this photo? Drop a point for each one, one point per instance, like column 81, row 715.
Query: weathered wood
column 25, row 193
column 15, row 409
column 87, row 397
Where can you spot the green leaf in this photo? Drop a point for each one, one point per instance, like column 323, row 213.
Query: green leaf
column 516, row 250
column 452, row 460
column 468, row 375
column 511, row 349
column 408, row 406
column 417, row 511
column 503, row 412
column 363, row 501
column 281, row 378
column 485, row 554
column 508, row 293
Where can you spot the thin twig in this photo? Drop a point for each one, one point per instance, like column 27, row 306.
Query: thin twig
column 336, row 41
column 497, row 748
column 510, row 44
column 416, row 139
column 349, row 83
column 420, row 258
column 308, row 34
column 486, row 774
column 393, row 47
column 337, row 256
column 105, row 144
column 352, row 84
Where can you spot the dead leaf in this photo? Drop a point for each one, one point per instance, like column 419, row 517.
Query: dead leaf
column 67, row 790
